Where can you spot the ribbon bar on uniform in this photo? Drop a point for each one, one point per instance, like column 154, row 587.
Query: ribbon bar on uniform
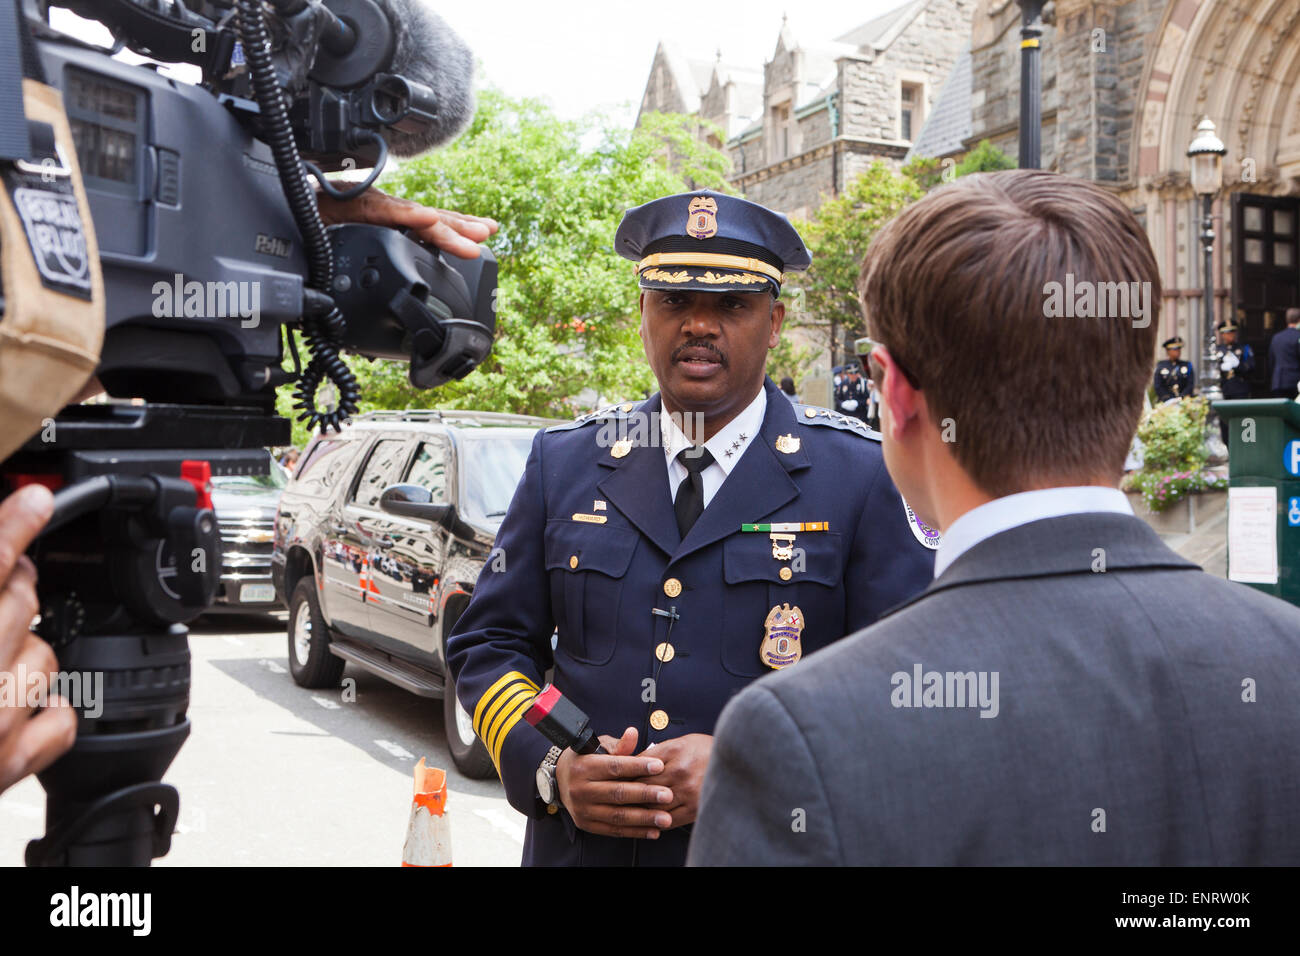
column 788, row 526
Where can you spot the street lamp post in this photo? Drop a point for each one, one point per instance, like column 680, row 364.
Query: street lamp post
column 1031, row 85
column 1206, row 157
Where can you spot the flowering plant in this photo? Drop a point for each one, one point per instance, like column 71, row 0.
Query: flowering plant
column 1173, row 466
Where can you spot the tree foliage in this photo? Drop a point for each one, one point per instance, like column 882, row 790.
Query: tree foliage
column 984, row 158
column 929, row 172
column 826, row 300
column 566, row 305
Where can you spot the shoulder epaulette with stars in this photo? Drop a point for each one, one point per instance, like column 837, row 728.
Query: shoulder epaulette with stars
column 612, row 411
column 813, row 415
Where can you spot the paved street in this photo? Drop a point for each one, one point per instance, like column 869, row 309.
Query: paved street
column 274, row 774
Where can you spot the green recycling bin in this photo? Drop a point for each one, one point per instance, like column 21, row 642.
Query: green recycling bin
column 1264, row 494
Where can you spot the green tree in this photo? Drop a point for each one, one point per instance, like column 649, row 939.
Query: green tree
column 566, row 306
column 984, row 158
column 825, row 300
column 927, row 171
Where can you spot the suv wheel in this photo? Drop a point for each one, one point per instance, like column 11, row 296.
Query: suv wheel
column 310, row 660
column 471, row 757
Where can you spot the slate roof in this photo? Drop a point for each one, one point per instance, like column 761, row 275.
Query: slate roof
column 949, row 122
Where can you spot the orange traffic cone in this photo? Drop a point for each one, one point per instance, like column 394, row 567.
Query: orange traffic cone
column 428, row 837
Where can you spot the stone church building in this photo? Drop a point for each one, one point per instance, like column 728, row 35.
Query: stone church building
column 1125, row 82
column 809, row 120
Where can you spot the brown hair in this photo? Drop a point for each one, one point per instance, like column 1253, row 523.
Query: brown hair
column 957, row 288
column 1292, row 316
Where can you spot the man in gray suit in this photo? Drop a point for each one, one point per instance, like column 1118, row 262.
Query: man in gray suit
column 1068, row 690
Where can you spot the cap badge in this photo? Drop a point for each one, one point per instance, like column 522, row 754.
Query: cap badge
column 701, row 218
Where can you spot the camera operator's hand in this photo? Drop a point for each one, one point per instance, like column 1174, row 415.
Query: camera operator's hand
column 30, row 740
column 452, row 232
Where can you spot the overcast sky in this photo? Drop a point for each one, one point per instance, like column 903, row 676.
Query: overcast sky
column 585, row 54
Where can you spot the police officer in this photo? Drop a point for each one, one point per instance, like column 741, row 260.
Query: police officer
column 1174, row 377
column 680, row 548
column 871, row 416
column 1236, row 363
column 851, row 392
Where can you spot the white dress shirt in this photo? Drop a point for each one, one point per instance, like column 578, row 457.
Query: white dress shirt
column 726, row 446
column 1003, row 514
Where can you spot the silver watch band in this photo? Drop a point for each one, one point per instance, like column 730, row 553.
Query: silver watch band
column 548, row 766
column 552, row 757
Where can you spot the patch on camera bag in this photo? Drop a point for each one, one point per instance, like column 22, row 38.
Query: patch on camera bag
column 43, row 196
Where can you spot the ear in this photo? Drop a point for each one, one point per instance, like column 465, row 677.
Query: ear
column 640, row 305
column 905, row 403
column 778, row 316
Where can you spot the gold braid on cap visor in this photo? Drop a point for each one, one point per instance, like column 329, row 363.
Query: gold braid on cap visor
column 715, row 260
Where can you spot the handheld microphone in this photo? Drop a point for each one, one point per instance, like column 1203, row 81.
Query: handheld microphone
column 562, row 723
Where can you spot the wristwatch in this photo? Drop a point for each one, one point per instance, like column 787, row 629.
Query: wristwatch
column 546, row 788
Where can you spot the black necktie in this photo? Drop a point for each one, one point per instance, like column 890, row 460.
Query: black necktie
column 689, row 503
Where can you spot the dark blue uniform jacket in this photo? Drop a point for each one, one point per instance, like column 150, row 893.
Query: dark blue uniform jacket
column 597, row 584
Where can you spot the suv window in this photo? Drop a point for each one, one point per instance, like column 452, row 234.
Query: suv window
column 491, row 466
column 382, row 464
column 324, row 463
column 429, row 469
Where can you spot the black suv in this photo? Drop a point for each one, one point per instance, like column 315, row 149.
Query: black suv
column 380, row 536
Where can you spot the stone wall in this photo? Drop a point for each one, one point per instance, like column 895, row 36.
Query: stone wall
column 662, row 94
column 995, row 79
column 925, row 51
column 1092, row 62
column 797, row 190
column 866, row 104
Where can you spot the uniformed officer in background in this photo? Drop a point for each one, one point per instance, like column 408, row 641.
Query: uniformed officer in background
column 862, row 348
column 1174, row 378
column 679, row 556
column 1237, row 361
column 851, row 392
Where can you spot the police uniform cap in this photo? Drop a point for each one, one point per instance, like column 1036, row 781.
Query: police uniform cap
column 1175, row 343
column 1228, row 327
column 708, row 241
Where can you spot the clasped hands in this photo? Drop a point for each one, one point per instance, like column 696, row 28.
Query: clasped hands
column 618, row 794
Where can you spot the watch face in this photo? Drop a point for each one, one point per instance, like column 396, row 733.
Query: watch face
column 545, row 786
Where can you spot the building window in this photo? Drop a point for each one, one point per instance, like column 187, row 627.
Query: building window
column 910, row 111
column 781, row 131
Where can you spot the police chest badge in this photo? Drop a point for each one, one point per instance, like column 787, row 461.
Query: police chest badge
column 701, row 218
column 923, row 533
column 781, row 646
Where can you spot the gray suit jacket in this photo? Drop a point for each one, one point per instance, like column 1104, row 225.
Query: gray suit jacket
column 1146, row 714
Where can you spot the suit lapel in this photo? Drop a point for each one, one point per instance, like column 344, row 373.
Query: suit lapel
column 758, row 484
column 638, row 485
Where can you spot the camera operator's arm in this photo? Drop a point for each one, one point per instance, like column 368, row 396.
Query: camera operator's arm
column 452, row 232
column 30, row 740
